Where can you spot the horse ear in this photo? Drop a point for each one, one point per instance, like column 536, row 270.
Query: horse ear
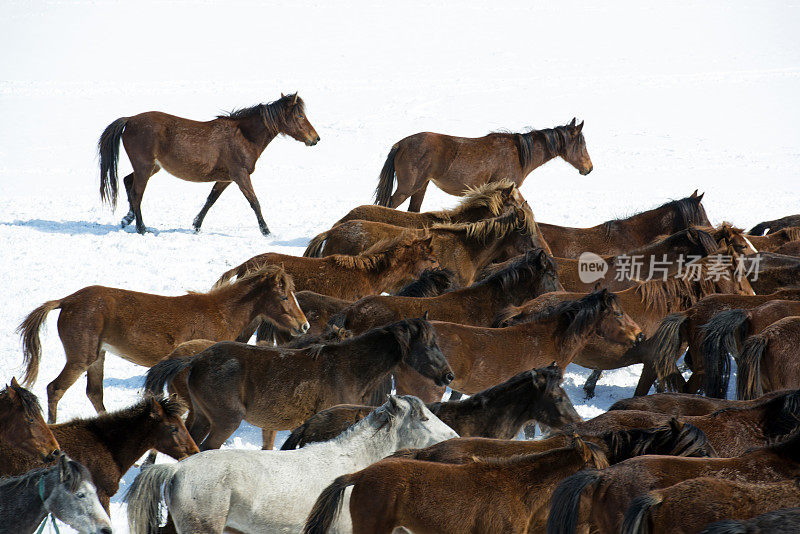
column 675, row 424
column 579, row 128
column 14, row 383
column 700, row 197
column 393, row 405
column 425, row 316
column 64, row 471
column 294, row 102
column 283, row 95
column 12, row 393
column 693, row 195
column 572, row 123
column 156, row 411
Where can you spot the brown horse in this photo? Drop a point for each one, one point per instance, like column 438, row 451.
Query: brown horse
column 775, row 271
column 109, row 444
column 680, row 404
column 482, row 357
column 769, row 360
column 773, row 226
column 223, row 150
column 456, row 164
column 771, row 242
column 485, row 496
column 464, row 248
column 783, row 520
column 621, row 235
column 791, row 248
column 278, row 388
column 143, row 328
column 665, row 511
column 596, row 501
column 385, row 267
column 22, row 426
column 498, row 412
column 481, row 202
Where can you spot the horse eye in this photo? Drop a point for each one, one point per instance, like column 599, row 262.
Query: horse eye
column 80, row 495
column 284, row 297
column 619, row 314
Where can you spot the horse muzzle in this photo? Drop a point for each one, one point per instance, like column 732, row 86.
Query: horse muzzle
column 51, row 456
column 584, row 172
column 638, row 339
column 312, row 141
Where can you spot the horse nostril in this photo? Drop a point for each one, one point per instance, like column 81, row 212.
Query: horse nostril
column 105, row 530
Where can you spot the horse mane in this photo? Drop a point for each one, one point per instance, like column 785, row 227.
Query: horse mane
column 384, row 414
column 262, row 271
column 109, row 420
column 673, row 294
column 274, row 114
column 496, row 228
column 576, row 318
column 688, row 209
column 783, row 414
column 508, row 388
column 792, row 233
column 78, row 474
column 30, row 404
column 673, row 439
column 788, row 447
column 488, row 195
column 555, row 141
column 431, row 283
column 523, row 267
column 380, row 255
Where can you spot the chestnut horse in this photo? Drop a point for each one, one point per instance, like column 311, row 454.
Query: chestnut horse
column 278, row 388
column 769, row 360
column 456, row 164
column 143, row 328
column 109, row 444
column 621, row 235
column 385, row 267
column 775, row 225
column 223, row 150
column 509, row 495
column 22, row 426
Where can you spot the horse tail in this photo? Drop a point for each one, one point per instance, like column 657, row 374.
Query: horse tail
column 760, row 228
column 314, row 249
column 637, row 515
column 718, row 342
column 31, row 344
column 296, row 438
column 666, row 342
column 383, row 193
column 164, row 372
column 431, row 283
column 266, row 332
column 144, row 498
column 508, row 316
column 566, row 501
column 328, row 506
column 748, row 379
column 108, row 147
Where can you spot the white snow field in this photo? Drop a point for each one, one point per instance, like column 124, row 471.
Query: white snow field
column 676, row 95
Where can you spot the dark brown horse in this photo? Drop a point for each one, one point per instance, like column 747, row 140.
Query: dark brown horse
column 769, row 360
column 595, row 501
column 223, row 150
column 498, row 412
column 456, row 164
column 143, row 328
column 109, row 444
column 680, row 404
column 385, row 267
column 791, row 248
column 773, row 226
column 666, row 511
column 775, row 271
column 773, row 241
column 22, row 426
column 485, row 496
column 783, row 520
column 278, row 388
column 621, row 235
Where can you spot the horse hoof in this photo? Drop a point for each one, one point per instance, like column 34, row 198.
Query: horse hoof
column 265, row 231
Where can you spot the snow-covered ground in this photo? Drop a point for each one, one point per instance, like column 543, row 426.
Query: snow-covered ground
column 676, row 96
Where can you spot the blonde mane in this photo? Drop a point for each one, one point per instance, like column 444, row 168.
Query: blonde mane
column 269, row 270
column 489, row 195
column 380, row 255
column 517, row 220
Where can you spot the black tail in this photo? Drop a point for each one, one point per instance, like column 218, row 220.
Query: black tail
column 295, row 438
column 667, row 342
column 431, row 283
column 760, row 228
column 637, row 519
column 164, row 372
column 748, row 379
column 315, row 246
column 383, row 193
column 328, row 506
column 108, row 147
column 673, row 439
column 718, row 343
column 566, row 502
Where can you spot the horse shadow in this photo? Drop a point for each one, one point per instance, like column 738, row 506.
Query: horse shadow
column 88, row 228
column 297, row 242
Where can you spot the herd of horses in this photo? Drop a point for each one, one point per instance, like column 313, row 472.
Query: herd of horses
column 357, row 340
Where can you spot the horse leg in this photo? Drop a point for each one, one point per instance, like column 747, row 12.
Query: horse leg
column 128, row 181
column 646, row 380
column 591, row 383
column 141, row 174
column 94, row 382
column 267, row 439
column 216, row 191
column 416, row 199
column 246, row 187
column 56, row 389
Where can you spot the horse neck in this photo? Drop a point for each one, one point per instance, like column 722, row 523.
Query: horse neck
column 236, row 310
column 540, row 155
column 549, row 469
column 510, row 406
column 473, row 214
column 22, row 507
column 126, row 437
column 368, row 444
column 388, row 277
column 547, row 330
column 359, row 363
column 258, row 133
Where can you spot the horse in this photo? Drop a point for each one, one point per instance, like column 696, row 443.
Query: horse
column 674, row 439
column 456, row 164
column 791, row 248
column 620, row 235
column 597, row 500
column 481, row 357
column 487, row 495
column 222, row 151
column 22, row 426
column 682, row 328
column 274, row 490
column 680, row 404
column 775, row 225
column 775, row 271
column 387, row 266
column 64, row 490
column 727, row 330
column 773, row 521
column 277, row 388
column 498, row 412
column 773, row 241
column 465, row 248
column 142, row 328
column 664, row 511
column 98, row 443
column 768, row 360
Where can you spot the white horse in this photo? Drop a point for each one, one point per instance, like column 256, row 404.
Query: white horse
column 64, row 490
column 274, row 491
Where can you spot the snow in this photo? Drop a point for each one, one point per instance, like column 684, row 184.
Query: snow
column 676, row 96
